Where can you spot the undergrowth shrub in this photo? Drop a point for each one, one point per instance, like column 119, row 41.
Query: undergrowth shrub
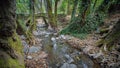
column 92, row 22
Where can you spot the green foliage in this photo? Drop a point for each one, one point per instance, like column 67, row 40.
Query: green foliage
column 106, row 4
column 96, row 3
column 22, row 6
column 63, row 7
column 22, row 24
column 81, row 35
column 92, row 23
column 89, row 18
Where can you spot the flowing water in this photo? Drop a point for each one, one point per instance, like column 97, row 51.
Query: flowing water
column 60, row 54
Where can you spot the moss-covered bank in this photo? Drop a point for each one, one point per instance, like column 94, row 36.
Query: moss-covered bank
column 11, row 55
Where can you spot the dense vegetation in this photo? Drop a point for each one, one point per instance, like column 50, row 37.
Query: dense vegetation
column 18, row 17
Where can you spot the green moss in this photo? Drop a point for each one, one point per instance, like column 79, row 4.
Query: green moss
column 10, row 63
column 3, row 63
column 16, row 44
column 16, row 63
column 80, row 36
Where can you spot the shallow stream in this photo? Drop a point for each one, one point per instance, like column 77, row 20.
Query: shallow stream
column 60, row 54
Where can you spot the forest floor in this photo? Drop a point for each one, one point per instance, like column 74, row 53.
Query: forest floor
column 106, row 59
column 35, row 56
column 38, row 58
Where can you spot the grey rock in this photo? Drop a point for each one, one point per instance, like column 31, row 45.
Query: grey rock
column 55, row 46
column 46, row 35
column 69, row 59
column 29, row 57
column 34, row 49
column 63, row 36
column 53, row 40
column 72, row 66
column 84, row 65
column 66, row 65
column 25, row 46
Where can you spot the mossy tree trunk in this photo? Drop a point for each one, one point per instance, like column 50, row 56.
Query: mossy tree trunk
column 31, row 23
column 83, row 10
column 55, row 11
column 68, row 7
column 11, row 55
column 74, row 9
column 51, row 16
column 32, row 15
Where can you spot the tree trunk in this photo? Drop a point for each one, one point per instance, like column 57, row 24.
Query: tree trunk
column 55, row 10
column 74, row 9
column 11, row 55
column 32, row 15
column 68, row 7
column 84, row 7
column 51, row 19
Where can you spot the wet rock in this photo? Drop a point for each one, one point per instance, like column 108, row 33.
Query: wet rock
column 25, row 46
column 62, row 36
column 73, row 66
column 69, row 59
column 66, row 65
column 34, row 49
column 24, row 43
column 29, row 57
column 46, row 35
column 53, row 40
column 26, row 49
column 55, row 46
column 85, row 66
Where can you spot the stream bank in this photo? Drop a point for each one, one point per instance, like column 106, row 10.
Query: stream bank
column 52, row 51
column 104, row 57
column 63, row 51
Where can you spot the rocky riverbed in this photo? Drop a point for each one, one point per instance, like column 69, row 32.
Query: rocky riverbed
column 52, row 51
